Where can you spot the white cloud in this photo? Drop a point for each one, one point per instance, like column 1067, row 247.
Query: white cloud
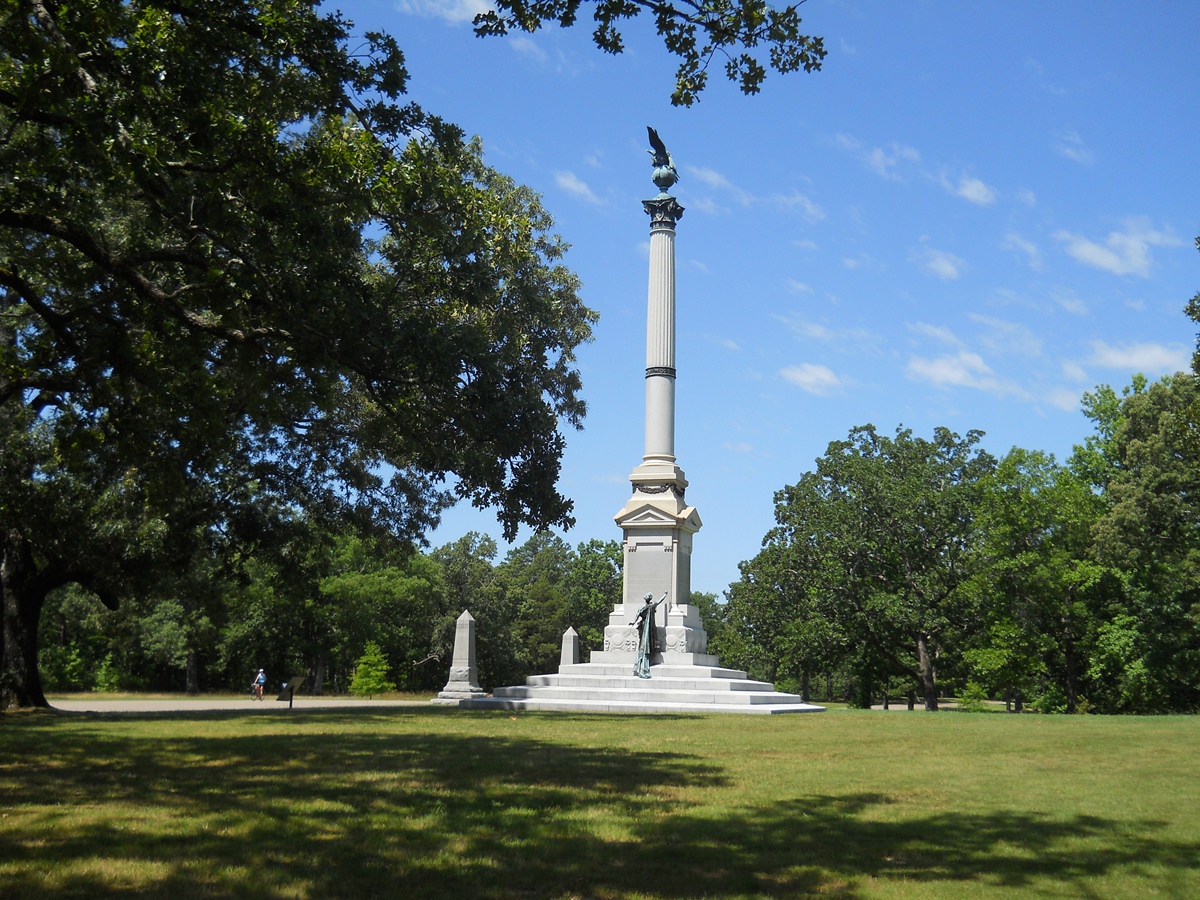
column 1149, row 359
column 814, row 379
column 711, row 177
column 571, row 183
column 699, row 266
column 1123, row 252
column 1039, row 71
column 798, row 287
column 969, row 189
column 1014, row 241
column 450, row 10
column 1068, row 301
column 742, row 447
column 813, row 330
column 857, row 340
column 1074, row 371
column 885, row 163
column 976, row 191
column 812, row 211
column 805, row 244
column 1027, row 197
column 528, row 47
column 705, row 205
column 1064, row 398
column 1070, row 145
column 1008, row 338
column 728, row 344
column 715, row 180
column 936, row 332
column 964, row 369
column 944, row 265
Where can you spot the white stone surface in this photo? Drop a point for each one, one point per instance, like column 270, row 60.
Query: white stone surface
column 612, row 687
column 660, row 347
column 570, row 649
column 464, row 676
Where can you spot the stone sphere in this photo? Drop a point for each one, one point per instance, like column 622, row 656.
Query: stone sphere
column 664, row 177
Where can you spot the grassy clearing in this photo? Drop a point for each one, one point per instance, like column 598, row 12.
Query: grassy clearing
column 409, row 802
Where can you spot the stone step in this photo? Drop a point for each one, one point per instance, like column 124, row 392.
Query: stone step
column 648, row 693
column 634, row 706
column 674, row 671
column 657, row 680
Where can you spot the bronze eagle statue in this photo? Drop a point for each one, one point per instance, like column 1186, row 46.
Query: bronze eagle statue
column 660, row 157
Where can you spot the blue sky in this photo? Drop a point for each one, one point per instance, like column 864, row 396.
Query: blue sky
column 972, row 215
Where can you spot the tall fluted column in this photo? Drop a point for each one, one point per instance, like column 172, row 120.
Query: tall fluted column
column 657, row 521
column 660, row 331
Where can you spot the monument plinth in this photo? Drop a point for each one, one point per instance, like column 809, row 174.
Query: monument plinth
column 656, row 521
column 657, row 524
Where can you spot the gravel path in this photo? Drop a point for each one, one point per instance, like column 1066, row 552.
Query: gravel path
column 245, row 704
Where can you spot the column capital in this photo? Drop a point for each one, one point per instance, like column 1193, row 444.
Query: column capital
column 664, row 210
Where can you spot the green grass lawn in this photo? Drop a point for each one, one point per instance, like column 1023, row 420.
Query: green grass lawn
column 413, row 802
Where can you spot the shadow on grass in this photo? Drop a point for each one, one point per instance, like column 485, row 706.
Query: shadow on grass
column 416, row 813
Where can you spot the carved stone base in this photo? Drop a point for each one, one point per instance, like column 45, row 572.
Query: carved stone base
column 672, row 639
column 461, row 685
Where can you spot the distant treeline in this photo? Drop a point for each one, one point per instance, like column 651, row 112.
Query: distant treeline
column 901, row 566
column 311, row 606
column 914, row 566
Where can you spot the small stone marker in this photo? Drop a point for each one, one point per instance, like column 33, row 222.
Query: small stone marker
column 464, row 676
column 570, row 649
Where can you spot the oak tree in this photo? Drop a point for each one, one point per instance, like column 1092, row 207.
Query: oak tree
column 238, row 278
column 878, row 542
column 695, row 31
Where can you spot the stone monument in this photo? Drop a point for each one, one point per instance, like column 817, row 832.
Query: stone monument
column 657, row 526
column 464, row 676
column 656, row 520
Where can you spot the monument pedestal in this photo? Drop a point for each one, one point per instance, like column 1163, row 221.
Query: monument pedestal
column 657, row 524
column 671, row 688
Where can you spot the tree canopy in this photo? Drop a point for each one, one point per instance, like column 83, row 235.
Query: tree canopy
column 876, row 539
column 1067, row 587
column 695, row 31
column 238, row 277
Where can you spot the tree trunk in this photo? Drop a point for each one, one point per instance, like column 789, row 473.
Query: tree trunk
column 20, row 683
column 318, row 682
column 804, row 688
column 887, row 689
column 912, row 700
column 193, row 674
column 1069, row 659
column 928, row 673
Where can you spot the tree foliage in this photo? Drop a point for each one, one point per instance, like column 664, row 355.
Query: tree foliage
column 878, row 539
column 310, row 606
column 695, row 31
column 1067, row 588
column 370, row 674
column 1150, row 533
column 1037, row 590
column 238, row 277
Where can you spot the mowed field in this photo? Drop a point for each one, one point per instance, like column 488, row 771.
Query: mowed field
column 434, row 802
